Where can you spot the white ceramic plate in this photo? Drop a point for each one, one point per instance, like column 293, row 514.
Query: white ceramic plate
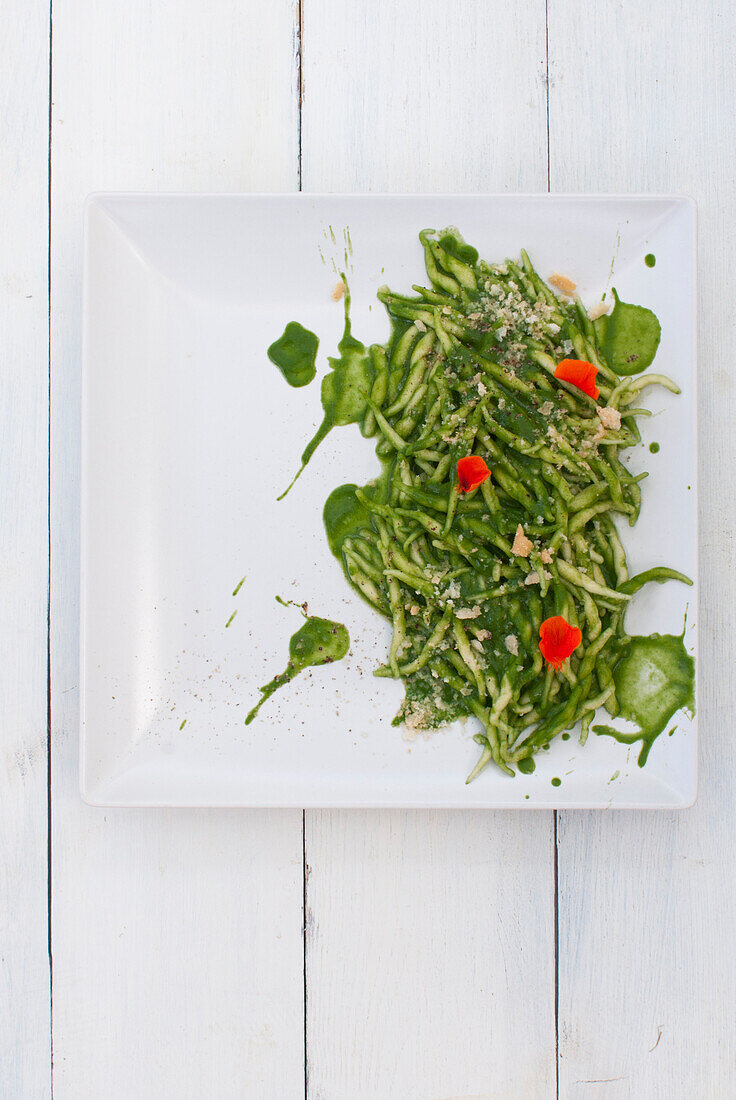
column 189, row 433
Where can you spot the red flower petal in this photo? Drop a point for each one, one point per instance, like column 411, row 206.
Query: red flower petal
column 471, row 472
column 558, row 640
column 580, row 373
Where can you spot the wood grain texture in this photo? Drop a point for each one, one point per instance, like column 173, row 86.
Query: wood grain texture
column 419, row 96
column 641, row 99
column 177, row 936
column 430, row 955
column 25, row 1033
column 430, row 942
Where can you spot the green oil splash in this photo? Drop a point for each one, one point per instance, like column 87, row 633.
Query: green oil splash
column 295, row 354
column 345, row 389
column 650, row 259
column 629, row 336
column 654, row 678
column 317, row 642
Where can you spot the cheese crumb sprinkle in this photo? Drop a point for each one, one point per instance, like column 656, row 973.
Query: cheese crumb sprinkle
column 563, row 284
column 522, row 546
column 467, row 613
column 609, row 417
column 598, row 310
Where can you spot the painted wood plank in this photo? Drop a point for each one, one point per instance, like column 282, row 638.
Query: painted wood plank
column 25, row 1034
column 641, row 99
column 177, row 935
column 430, row 936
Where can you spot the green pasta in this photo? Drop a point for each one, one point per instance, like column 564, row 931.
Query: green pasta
column 467, row 579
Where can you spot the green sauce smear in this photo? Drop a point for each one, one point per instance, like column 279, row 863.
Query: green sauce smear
column 295, row 354
column 317, row 642
column 345, row 389
column 527, row 765
column 654, row 678
column 629, row 337
column 650, row 259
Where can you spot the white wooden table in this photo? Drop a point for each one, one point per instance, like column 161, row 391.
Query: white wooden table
column 347, row 955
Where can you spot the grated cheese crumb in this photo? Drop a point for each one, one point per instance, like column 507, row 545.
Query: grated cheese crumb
column 338, row 291
column 467, row 612
column 563, row 284
column 546, row 556
column 512, row 644
column 609, row 417
column 522, row 546
column 598, row 310
column 420, row 325
column 531, row 578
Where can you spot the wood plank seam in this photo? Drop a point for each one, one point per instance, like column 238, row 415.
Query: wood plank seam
column 49, row 841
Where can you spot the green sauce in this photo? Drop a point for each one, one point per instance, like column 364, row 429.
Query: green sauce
column 344, row 517
column 566, row 737
column 295, row 354
column 527, row 765
column 650, row 259
column 629, row 337
column 345, row 389
column 457, row 247
column 317, row 642
column 654, row 678
column 556, row 782
column 654, row 448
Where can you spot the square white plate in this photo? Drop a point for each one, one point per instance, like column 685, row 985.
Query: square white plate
column 189, row 433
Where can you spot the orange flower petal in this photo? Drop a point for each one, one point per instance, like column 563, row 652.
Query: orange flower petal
column 558, row 640
column 580, row 373
column 471, row 472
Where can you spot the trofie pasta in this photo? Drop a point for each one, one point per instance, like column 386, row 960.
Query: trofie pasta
column 490, row 538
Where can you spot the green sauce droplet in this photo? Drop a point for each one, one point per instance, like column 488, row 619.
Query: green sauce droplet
column 629, row 337
column 345, row 388
column 566, row 737
column 650, row 259
column 317, row 642
column 556, row 782
column 527, row 765
column 295, row 354
column 654, row 678
column 654, row 448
